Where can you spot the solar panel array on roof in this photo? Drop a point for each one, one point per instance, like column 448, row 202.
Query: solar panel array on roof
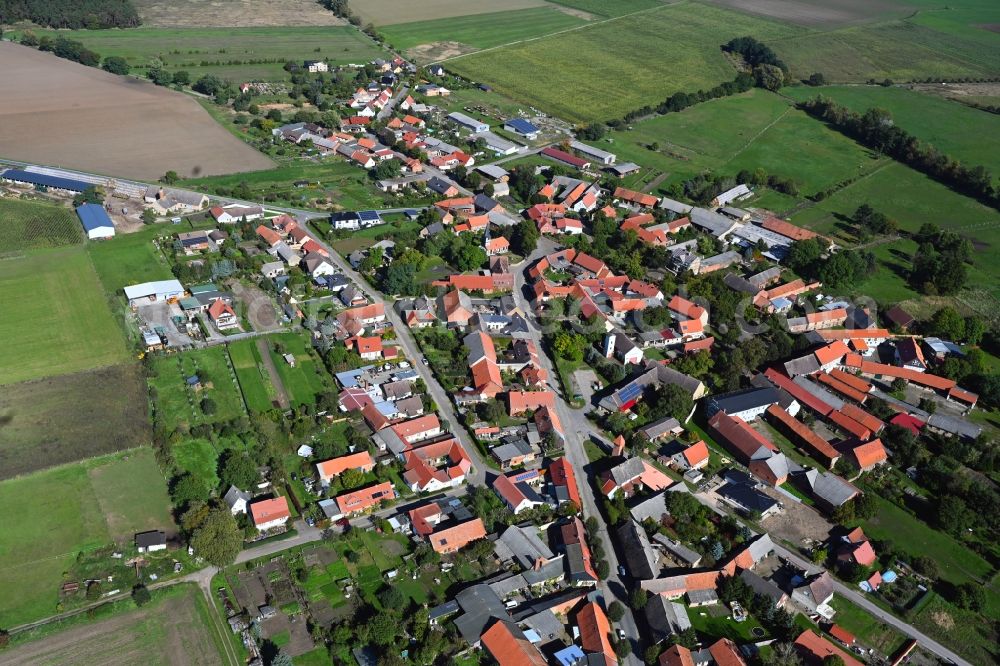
column 46, row 180
column 630, row 392
column 368, row 215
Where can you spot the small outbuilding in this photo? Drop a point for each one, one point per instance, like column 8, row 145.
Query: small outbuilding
column 95, row 221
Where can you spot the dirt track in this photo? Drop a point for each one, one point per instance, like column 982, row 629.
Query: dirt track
column 60, row 113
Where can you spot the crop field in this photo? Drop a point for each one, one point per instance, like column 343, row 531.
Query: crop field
column 258, row 391
column 57, row 420
column 598, row 74
column 819, row 13
column 55, row 318
column 177, row 627
column 52, row 515
column 32, row 225
column 433, row 40
column 61, row 113
column 232, row 53
column 233, row 13
column 178, row 405
column 386, row 12
column 912, row 199
column 969, row 135
column 308, row 378
column 770, row 134
column 130, row 259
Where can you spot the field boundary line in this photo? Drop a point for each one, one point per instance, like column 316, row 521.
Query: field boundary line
column 557, row 32
column 756, row 136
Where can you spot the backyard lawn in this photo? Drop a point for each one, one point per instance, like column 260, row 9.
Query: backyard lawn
column 957, row 563
column 308, row 378
column 55, row 318
column 255, row 382
column 869, row 630
column 176, row 403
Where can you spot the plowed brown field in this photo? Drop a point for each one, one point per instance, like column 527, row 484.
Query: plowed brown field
column 60, row 113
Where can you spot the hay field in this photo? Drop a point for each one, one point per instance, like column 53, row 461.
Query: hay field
column 388, row 12
column 597, row 73
column 969, row 135
column 61, row 419
column 52, row 515
column 60, row 113
column 233, row 13
column 55, row 319
column 177, row 627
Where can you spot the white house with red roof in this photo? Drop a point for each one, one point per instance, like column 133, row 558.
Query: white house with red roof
column 270, row 513
column 222, row 315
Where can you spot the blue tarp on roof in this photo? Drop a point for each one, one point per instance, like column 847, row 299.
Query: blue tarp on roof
column 46, row 180
column 93, row 216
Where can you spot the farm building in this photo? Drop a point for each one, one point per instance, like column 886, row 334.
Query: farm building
column 45, row 180
column 522, row 127
column 565, row 158
column 602, row 156
column 153, row 292
column 468, row 122
column 95, row 221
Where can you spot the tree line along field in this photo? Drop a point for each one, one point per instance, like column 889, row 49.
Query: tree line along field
column 56, row 319
column 188, row 48
column 176, row 627
column 52, row 515
column 478, row 31
column 596, row 73
column 967, row 134
column 34, row 225
column 56, row 420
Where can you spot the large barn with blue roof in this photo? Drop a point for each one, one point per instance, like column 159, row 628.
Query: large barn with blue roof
column 95, row 221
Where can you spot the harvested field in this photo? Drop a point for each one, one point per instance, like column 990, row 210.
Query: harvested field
column 608, row 7
column 386, row 12
column 61, row 113
column 819, row 13
column 233, row 13
column 55, row 319
column 32, row 224
column 47, row 422
column 177, row 628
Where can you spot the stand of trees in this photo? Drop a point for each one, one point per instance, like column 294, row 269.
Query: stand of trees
column 876, row 129
column 91, row 14
column 342, row 9
column 682, row 100
column 940, row 260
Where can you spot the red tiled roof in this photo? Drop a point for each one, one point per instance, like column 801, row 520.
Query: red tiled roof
column 870, row 454
column 805, row 436
column 853, row 381
column 842, row 634
column 832, row 352
column 862, row 417
column 422, row 516
column 676, row 655
column 361, row 460
column 848, row 425
column 911, row 423
column 561, row 473
column 696, row 454
column 782, row 381
column 647, row 200
column 417, row 426
column 739, row 435
column 563, row 156
column 595, row 629
column 365, row 498
column 458, row 536
column 268, row 510
column 853, row 333
column 814, row 648
column 698, row 345
column 270, row 236
column 508, row 649
column 787, row 229
column 219, row 308
column 841, row 387
column 725, row 653
column 519, row 402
